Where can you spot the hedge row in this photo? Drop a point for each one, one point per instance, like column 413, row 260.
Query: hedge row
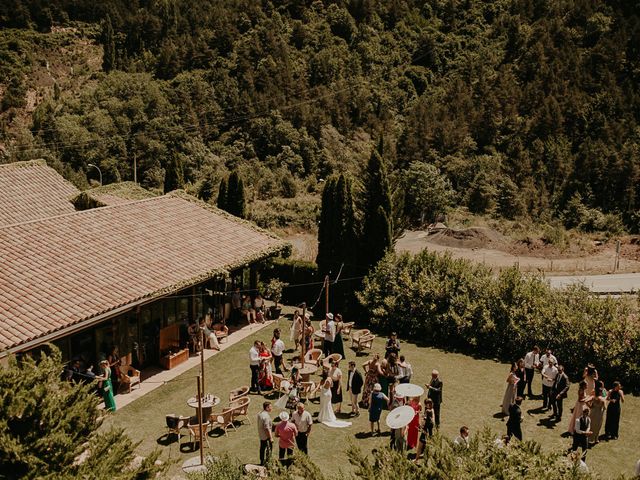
column 298, row 274
column 458, row 304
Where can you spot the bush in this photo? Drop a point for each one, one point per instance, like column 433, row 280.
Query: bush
column 458, row 304
column 294, row 273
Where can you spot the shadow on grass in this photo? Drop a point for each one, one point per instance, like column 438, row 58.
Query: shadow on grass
column 549, row 422
column 536, row 411
column 167, row 439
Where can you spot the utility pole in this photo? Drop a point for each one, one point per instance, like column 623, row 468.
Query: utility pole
column 326, row 284
column 304, row 329
column 135, row 168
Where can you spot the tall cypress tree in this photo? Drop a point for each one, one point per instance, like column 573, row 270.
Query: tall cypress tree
column 326, row 229
column 236, row 202
column 222, row 195
column 377, row 224
column 108, row 46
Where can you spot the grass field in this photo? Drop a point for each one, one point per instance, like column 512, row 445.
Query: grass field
column 473, row 390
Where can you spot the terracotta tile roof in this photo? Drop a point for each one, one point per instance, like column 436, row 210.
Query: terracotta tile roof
column 62, row 270
column 31, row 190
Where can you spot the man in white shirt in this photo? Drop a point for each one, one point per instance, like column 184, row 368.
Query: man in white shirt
column 254, row 364
column 549, row 374
column 462, row 440
column 405, row 370
column 303, row 421
column 582, row 432
column 546, row 358
column 531, row 362
column 265, row 433
column 329, row 335
column 277, row 349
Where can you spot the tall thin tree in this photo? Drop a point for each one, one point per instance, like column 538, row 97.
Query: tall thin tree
column 108, row 45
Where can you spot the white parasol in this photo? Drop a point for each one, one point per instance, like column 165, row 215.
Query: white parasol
column 409, row 390
column 400, row 417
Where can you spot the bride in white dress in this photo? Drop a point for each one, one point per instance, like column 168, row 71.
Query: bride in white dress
column 326, row 415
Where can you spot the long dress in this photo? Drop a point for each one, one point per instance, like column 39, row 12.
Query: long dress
column 265, row 378
column 107, row 392
column 596, row 415
column 378, row 402
column 612, row 425
column 591, row 383
column 370, row 379
column 414, row 426
column 510, row 393
column 577, row 410
column 338, row 345
column 326, row 415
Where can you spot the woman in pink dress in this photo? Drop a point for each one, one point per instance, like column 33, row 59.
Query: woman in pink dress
column 583, row 401
column 414, row 426
column 265, row 377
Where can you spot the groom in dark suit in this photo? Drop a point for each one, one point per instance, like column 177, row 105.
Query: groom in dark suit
column 559, row 392
column 354, row 386
column 434, row 392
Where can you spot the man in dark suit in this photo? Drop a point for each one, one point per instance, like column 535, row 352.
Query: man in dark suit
column 354, row 386
column 434, row 392
column 559, row 393
column 514, row 424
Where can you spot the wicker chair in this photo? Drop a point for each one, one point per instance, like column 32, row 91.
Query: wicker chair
column 355, row 335
column 194, row 433
column 175, row 424
column 308, row 390
column 238, row 393
column 365, row 341
column 241, row 409
column 222, row 420
column 346, row 329
column 313, row 356
column 277, row 383
column 129, row 376
column 336, row 357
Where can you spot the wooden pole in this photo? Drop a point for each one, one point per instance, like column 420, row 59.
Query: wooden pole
column 202, row 357
column 200, row 419
column 304, row 329
column 326, row 282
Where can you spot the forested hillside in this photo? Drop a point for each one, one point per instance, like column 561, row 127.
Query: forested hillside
column 528, row 107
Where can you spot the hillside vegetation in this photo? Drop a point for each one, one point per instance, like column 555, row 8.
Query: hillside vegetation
column 525, row 108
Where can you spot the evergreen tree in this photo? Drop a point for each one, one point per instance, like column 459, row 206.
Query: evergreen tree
column 46, row 424
column 222, row 195
column 377, row 232
column 326, row 229
column 108, row 46
column 205, row 192
column 235, row 202
column 174, row 176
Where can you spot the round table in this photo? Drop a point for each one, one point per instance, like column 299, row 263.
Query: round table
column 306, row 371
column 409, row 390
column 208, row 402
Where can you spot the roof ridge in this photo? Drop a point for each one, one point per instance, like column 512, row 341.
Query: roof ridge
column 40, row 162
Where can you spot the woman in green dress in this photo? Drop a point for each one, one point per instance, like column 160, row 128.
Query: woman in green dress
column 338, row 346
column 107, row 387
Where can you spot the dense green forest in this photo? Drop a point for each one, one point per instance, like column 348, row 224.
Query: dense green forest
column 521, row 108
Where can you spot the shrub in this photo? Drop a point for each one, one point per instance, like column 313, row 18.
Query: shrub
column 458, row 304
column 297, row 274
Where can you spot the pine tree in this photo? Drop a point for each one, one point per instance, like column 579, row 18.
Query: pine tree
column 46, row 424
column 326, row 229
column 222, row 195
column 174, row 176
column 377, row 232
column 108, row 45
column 235, row 202
column 205, row 192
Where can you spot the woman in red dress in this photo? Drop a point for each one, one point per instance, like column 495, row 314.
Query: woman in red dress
column 414, row 426
column 265, row 378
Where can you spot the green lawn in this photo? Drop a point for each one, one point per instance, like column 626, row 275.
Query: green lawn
column 473, row 391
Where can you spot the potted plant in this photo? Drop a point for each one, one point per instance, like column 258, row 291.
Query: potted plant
column 273, row 291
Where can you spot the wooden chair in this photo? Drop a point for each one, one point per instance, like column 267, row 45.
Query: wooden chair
column 355, row 335
column 238, row 393
column 277, row 380
column 221, row 331
column 129, row 376
column 365, row 341
column 313, row 356
column 241, row 409
column 346, row 329
column 308, row 390
column 222, row 420
column 194, row 434
column 336, row 357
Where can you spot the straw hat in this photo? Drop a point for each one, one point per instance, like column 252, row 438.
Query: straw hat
column 330, row 316
column 377, row 387
column 284, row 416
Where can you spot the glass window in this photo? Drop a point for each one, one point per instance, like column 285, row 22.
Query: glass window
column 170, row 311
column 83, row 347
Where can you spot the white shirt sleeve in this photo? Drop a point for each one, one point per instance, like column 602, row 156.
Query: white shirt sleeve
column 254, row 356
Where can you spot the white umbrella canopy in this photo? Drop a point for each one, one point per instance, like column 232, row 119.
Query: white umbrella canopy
column 409, row 390
column 400, row 417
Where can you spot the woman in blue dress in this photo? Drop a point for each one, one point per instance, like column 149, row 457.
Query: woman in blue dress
column 378, row 401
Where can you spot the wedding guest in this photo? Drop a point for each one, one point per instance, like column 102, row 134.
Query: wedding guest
column 265, row 376
column 531, row 362
column 338, row 345
column 514, row 423
column 612, row 425
column 522, row 378
column 549, row 374
column 303, row 422
column 560, row 389
column 254, row 364
column 264, row 433
column 209, row 336
column 277, row 349
column 373, row 373
column 598, row 405
column 405, row 370
column 393, row 345
column 546, row 358
column 462, row 440
column 296, row 329
column 428, row 423
column 581, row 432
column 106, row 386
column 413, row 428
column 258, row 303
column 286, row 431
column 434, row 392
column 354, row 387
column 329, row 335
column 581, row 404
column 336, row 389
column 397, row 400
column 114, row 365
column 590, row 376
column 510, row 392
column 246, row 309
column 377, row 402
column 236, row 304
column 308, row 334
